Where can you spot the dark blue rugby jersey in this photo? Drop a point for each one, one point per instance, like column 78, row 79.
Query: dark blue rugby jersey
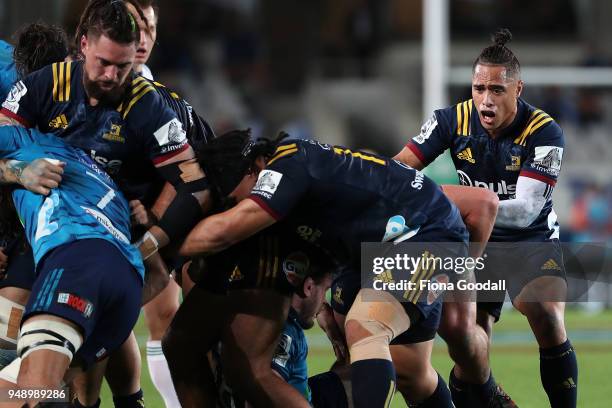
column 144, row 182
column 338, row 198
column 532, row 146
column 140, row 130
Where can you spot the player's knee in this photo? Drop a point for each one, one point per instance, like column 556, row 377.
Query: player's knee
column 43, row 334
column 10, row 319
column 546, row 318
column 371, row 325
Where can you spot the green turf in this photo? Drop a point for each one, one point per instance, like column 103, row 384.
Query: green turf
column 515, row 363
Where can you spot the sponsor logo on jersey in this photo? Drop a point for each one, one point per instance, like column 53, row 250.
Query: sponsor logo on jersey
column 281, row 355
column 417, row 183
column 548, row 159
column 515, row 163
column 296, row 265
column 338, row 295
column 550, row 265
column 111, row 166
column 171, row 133
column 59, row 122
column 114, row 135
column 84, row 306
column 101, row 353
column 12, row 100
column 267, row 183
column 107, row 224
column 397, row 230
column 498, row 187
column 426, row 130
column 433, row 294
column 236, row 275
column 466, row 154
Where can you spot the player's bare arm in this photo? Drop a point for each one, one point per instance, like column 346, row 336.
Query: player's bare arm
column 220, row 231
column 406, row 156
column 478, row 208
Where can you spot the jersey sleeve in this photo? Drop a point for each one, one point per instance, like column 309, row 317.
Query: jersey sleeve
column 163, row 135
column 433, row 140
column 13, row 138
column 545, row 154
column 27, row 98
column 283, row 182
column 282, row 361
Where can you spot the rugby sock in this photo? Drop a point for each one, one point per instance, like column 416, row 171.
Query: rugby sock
column 135, row 400
column 484, row 392
column 373, row 383
column 160, row 374
column 559, row 374
column 460, row 391
column 441, row 397
column 77, row 404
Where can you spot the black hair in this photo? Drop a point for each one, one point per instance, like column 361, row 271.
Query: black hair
column 500, row 54
column 37, row 45
column 109, row 18
column 229, row 157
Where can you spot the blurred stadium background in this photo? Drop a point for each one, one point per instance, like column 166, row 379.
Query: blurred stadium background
column 364, row 73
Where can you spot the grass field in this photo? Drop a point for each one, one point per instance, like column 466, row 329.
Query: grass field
column 514, row 358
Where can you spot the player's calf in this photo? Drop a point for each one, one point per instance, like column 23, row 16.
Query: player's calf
column 370, row 326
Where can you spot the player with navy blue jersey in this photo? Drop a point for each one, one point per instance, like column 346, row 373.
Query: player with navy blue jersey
column 336, row 198
column 499, row 142
column 89, row 276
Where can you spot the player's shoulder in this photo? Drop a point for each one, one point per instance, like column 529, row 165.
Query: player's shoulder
column 538, row 126
column 141, row 100
column 288, row 148
column 456, row 118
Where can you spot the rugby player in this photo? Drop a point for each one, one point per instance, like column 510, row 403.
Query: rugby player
column 86, row 296
column 37, row 45
column 321, row 192
column 98, row 105
column 500, row 142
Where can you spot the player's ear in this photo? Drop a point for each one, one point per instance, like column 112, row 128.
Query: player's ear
column 519, row 88
column 308, row 286
column 83, row 42
column 260, row 163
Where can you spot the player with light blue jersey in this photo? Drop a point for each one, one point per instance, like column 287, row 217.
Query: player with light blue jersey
column 87, row 204
column 8, row 73
column 87, row 293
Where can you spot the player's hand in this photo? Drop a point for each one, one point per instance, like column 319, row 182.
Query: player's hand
column 3, row 263
column 41, row 175
column 140, row 215
column 326, row 321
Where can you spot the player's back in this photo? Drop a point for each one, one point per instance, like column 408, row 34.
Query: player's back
column 342, row 197
column 87, row 203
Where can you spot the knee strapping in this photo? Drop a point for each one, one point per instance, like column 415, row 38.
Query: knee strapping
column 48, row 335
column 383, row 317
column 10, row 318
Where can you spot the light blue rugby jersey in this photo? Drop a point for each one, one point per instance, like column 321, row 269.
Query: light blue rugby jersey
column 8, row 74
column 87, row 204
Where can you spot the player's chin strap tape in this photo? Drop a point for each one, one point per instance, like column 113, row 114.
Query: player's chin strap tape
column 184, row 212
column 45, row 334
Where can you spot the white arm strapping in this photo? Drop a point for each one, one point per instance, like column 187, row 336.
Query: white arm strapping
column 520, row 212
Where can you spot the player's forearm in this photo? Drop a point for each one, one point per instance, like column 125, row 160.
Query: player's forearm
column 208, row 237
column 11, row 171
column 520, row 212
column 517, row 213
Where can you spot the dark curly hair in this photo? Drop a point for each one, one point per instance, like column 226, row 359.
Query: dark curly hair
column 499, row 54
column 109, row 18
column 37, row 45
column 229, row 157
